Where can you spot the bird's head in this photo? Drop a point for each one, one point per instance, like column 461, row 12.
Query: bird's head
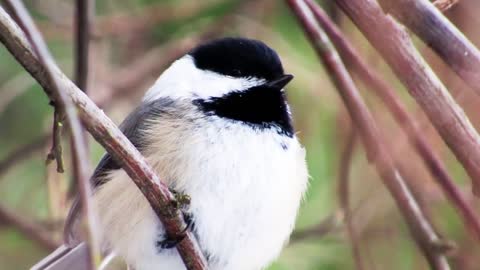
column 235, row 78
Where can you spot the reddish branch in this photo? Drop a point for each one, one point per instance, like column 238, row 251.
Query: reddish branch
column 420, row 227
column 84, row 11
column 107, row 134
column 396, row 47
column 64, row 105
column 29, row 229
column 407, row 123
column 441, row 35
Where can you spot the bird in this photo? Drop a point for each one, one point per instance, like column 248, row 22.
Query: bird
column 215, row 126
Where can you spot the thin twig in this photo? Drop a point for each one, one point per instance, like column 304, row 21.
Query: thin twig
column 344, row 197
column 29, row 229
column 64, row 104
column 107, row 134
column 395, row 45
column 415, row 135
column 56, row 152
column 420, row 227
column 83, row 14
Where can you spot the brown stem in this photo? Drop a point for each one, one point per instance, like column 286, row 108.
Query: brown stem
column 56, row 152
column 107, row 134
column 396, row 47
column 84, row 11
column 83, row 15
column 429, row 24
column 404, row 119
column 420, row 227
column 63, row 107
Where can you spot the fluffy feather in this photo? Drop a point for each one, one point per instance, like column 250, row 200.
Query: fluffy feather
column 245, row 175
column 245, row 190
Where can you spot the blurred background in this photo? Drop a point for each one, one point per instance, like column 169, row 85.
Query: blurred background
column 135, row 40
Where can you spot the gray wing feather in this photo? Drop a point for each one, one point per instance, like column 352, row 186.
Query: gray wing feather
column 131, row 128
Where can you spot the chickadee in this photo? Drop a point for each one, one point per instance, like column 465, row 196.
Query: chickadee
column 215, row 126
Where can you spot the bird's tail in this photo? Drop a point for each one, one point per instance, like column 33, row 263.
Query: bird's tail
column 65, row 258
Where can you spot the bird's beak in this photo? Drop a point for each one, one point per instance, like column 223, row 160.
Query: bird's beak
column 280, row 82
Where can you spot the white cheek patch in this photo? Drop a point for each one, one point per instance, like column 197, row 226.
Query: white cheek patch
column 184, row 80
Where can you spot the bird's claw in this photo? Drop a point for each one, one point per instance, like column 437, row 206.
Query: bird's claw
column 171, row 242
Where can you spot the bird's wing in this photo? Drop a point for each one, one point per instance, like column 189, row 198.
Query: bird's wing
column 131, row 128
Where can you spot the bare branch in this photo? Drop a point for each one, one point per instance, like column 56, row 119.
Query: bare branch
column 83, row 13
column 29, row 229
column 63, row 105
column 407, row 123
column 441, row 35
column 420, row 227
column 107, row 134
column 56, row 152
column 395, row 45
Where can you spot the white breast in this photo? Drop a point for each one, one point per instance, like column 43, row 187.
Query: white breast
column 245, row 190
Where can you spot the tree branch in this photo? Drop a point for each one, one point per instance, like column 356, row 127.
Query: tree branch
column 388, row 95
column 420, row 227
column 430, row 25
column 396, row 47
column 107, row 134
column 84, row 10
column 64, row 105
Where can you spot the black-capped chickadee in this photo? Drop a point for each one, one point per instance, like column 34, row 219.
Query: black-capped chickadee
column 215, row 126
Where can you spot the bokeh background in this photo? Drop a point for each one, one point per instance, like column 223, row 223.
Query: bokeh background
column 134, row 40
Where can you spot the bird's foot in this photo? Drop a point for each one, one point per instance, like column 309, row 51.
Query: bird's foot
column 171, row 242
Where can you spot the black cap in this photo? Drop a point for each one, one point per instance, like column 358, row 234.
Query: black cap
column 238, row 57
